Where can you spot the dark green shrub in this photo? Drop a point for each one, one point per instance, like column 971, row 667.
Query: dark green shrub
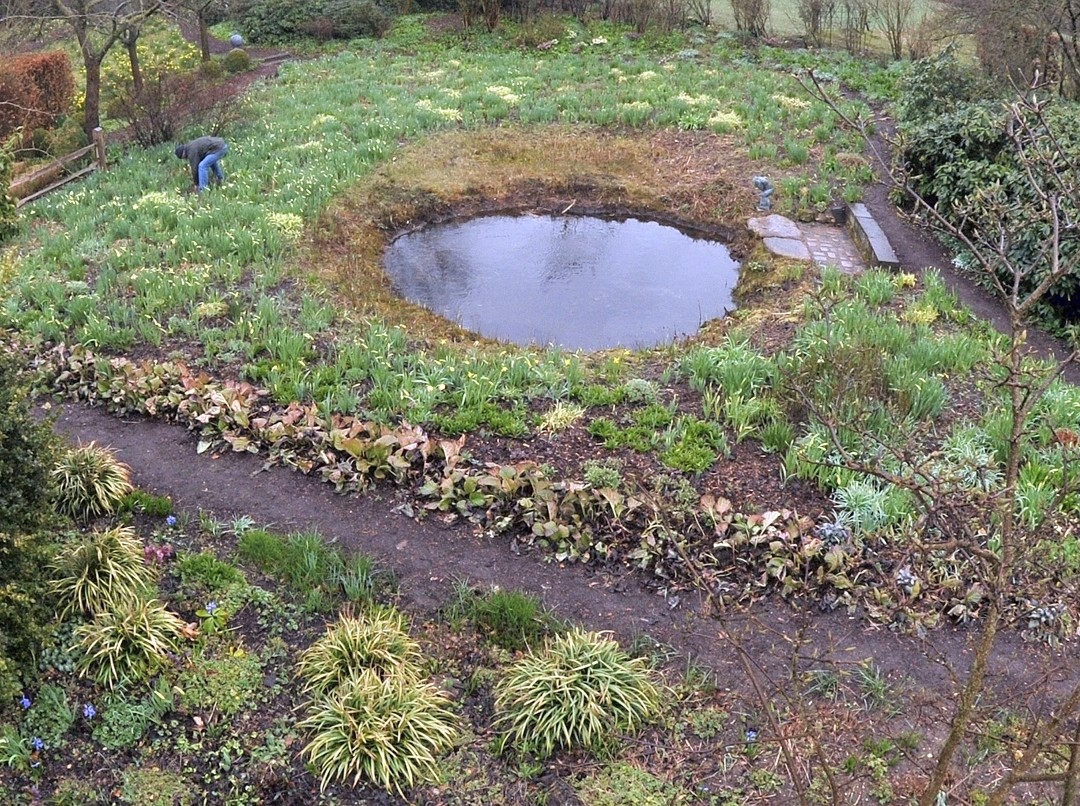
column 934, row 86
column 265, row 21
column 353, row 19
column 27, row 449
column 212, row 71
column 236, row 61
column 967, row 164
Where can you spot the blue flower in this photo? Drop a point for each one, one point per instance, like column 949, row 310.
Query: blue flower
column 751, row 735
column 25, row 702
column 170, row 521
column 89, row 711
column 37, row 743
column 211, row 607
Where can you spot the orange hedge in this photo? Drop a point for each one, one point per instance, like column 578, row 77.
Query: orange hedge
column 35, row 89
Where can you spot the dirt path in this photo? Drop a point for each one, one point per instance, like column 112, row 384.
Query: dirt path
column 429, row 557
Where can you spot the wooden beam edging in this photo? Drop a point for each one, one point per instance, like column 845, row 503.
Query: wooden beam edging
column 100, row 163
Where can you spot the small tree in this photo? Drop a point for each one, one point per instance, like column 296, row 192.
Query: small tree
column 816, row 17
column 205, row 12
column 892, row 18
column 97, row 26
column 751, row 16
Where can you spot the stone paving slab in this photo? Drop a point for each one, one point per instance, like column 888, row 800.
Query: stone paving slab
column 774, row 226
column 823, row 244
column 794, row 248
column 832, row 245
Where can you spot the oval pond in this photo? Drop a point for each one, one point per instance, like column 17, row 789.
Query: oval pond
column 573, row 281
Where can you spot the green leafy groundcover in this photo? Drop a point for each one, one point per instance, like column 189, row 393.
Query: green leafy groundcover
column 758, row 552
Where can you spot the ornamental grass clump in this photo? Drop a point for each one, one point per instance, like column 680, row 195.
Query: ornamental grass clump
column 389, row 731
column 128, row 643
column 376, row 641
column 101, row 572
column 580, row 691
column 90, row 482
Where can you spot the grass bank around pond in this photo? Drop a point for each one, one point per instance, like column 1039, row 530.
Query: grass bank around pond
column 682, row 178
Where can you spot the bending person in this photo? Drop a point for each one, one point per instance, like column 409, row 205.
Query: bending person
column 204, row 155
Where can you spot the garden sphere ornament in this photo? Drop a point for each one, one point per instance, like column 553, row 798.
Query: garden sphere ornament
column 236, row 40
column 766, row 188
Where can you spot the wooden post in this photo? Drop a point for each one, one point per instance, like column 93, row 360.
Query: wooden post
column 99, row 142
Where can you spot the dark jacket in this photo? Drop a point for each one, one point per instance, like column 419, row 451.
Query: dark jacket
column 195, row 151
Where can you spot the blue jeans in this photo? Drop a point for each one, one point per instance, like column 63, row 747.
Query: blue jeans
column 211, row 162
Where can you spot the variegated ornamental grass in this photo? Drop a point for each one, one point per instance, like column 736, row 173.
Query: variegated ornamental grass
column 129, row 642
column 90, row 482
column 389, row 731
column 101, row 572
column 374, row 641
column 580, row 691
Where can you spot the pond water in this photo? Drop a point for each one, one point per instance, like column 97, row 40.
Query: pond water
column 583, row 283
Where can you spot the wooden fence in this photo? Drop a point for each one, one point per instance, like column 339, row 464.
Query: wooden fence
column 55, row 174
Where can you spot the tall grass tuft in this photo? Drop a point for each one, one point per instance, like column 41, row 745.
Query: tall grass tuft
column 579, row 692
column 376, row 641
column 90, row 482
column 128, row 643
column 101, row 572
column 389, row 731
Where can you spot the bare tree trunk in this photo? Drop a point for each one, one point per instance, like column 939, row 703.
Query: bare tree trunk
column 131, row 40
column 92, row 103
column 204, row 38
column 965, row 708
column 1071, row 792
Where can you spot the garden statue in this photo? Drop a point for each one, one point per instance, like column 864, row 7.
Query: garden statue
column 766, row 188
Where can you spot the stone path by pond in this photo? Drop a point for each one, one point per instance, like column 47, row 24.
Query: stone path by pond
column 824, row 244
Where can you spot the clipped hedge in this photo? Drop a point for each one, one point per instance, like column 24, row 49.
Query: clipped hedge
column 35, row 90
column 274, row 21
column 27, row 450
